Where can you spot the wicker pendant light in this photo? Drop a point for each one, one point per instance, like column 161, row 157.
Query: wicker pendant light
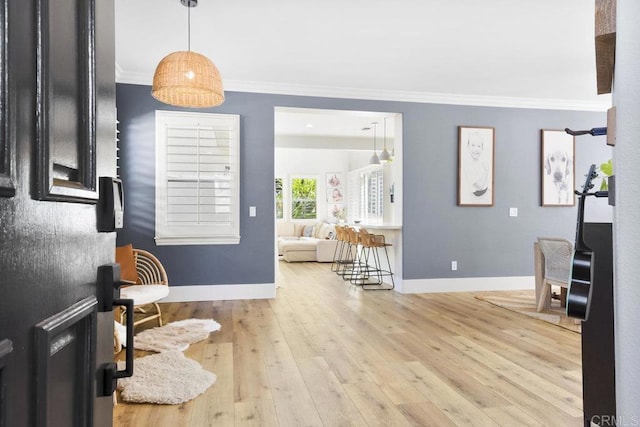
column 186, row 78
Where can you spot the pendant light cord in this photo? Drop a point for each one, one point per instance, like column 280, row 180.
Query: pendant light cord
column 385, row 133
column 189, row 28
column 375, row 125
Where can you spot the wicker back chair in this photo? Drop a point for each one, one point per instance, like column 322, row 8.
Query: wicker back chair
column 557, row 254
column 151, row 287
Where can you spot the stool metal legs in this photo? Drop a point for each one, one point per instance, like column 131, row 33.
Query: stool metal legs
column 357, row 259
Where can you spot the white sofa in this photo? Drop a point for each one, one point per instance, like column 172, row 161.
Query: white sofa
column 312, row 242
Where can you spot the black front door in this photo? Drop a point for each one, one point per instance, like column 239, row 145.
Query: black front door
column 57, row 136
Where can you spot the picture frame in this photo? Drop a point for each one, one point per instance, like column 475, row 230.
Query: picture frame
column 557, row 168
column 476, row 158
column 334, row 180
column 336, row 211
column 336, row 197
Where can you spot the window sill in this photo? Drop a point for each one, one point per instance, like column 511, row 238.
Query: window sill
column 197, row 240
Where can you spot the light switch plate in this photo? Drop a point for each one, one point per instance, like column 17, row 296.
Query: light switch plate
column 252, row 211
column 513, row 211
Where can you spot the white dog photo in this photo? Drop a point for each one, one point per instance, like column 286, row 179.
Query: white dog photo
column 557, row 169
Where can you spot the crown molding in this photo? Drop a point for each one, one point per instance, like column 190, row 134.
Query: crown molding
column 390, row 95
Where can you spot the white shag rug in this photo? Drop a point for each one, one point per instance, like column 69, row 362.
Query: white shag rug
column 167, row 378
column 175, row 335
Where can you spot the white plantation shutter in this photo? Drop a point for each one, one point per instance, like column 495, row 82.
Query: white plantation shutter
column 374, row 196
column 353, row 207
column 366, row 191
column 197, row 187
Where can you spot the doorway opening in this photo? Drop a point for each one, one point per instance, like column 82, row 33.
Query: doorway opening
column 324, row 176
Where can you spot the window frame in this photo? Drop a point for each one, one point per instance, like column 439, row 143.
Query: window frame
column 292, row 200
column 203, row 233
column 279, row 194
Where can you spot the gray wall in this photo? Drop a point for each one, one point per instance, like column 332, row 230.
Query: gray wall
column 486, row 242
column 626, row 233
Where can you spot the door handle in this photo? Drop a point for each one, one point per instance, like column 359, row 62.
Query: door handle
column 109, row 296
column 111, row 372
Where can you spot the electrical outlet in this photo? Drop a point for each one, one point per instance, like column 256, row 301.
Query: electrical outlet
column 454, row 265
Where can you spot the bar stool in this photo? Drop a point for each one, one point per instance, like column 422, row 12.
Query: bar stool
column 371, row 244
column 338, row 252
column 350, row 256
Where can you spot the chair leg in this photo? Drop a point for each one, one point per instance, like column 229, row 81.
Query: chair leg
column 349, row 262
column 544, row 295
column 563, row 297
column 342, row 259
column 380, row 286
column 362, row 267
column 337, row 253
column 159, row 314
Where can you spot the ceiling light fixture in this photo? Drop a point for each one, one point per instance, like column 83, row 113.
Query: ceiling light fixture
column 385, row 156
column 375, row 160
column 188, row 79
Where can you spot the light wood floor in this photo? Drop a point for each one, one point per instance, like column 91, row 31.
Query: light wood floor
column 327, row 353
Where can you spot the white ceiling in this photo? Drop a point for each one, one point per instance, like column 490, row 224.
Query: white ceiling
column 515, row 53
column 333, row 129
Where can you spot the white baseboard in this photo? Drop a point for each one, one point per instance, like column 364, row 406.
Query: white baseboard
column 268, row 290
column 220, row 292
column 467, row 284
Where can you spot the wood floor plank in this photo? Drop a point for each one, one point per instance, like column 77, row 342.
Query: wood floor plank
column 250, row 376
column 291, row 397
column 445, row 397
column 516, row 393
column 554, row 395
column 325, row 352
column 216, row 405
column 330, row 398
column 375, row 406
column 425, row 414
column 443, row 364
column 401, row 392
column 511, row 416
column 255, row 413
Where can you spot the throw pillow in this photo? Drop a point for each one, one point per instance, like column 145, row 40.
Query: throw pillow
column 127, row 261
column 316, row 230
column 323, row 232
column 308, row 231
column 298, row 229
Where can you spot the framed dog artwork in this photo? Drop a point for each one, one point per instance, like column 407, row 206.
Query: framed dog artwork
column 475, row 165
column 557, row 169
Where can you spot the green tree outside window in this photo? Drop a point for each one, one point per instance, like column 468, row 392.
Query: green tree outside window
column 303, row 198
column 279, row 199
